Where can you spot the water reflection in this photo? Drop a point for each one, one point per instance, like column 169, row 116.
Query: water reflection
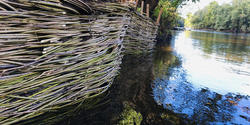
column 219, row 72
column 231, row 48
column 129, row 101
column 205, row 78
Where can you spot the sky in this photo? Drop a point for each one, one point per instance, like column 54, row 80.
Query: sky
column 193, row 7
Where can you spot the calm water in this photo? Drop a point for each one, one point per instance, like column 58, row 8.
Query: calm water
column 200, row 78
column 205, row 77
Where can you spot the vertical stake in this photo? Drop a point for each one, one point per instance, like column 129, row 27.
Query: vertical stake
column 147, row 10
column 159, row 16
column 136, row 3
column 142, row 5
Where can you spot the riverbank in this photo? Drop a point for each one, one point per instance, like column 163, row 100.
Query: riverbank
column 214, row 30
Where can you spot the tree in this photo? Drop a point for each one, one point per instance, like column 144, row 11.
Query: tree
column 188, row 20
column 169, row 17
column 234, row 17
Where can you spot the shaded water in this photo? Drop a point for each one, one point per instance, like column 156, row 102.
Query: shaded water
column 200, row 78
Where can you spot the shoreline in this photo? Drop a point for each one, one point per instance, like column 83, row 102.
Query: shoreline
column 222, row 31
column 212, row 31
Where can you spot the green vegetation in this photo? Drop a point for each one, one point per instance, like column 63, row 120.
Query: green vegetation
column 169, row 18
column 188, row 20
column 130, row 116
column 233, row 17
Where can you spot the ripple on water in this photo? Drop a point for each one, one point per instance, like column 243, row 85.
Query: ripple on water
column 210, row 85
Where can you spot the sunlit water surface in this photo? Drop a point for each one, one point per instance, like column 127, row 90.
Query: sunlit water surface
column 205, row 76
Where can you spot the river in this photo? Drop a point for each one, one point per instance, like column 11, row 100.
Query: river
column 200, row 78
column 206, row 77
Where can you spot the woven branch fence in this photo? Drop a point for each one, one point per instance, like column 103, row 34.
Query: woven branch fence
column 57, row 53
column 140, row 35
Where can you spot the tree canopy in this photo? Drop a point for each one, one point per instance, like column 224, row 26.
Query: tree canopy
column 230, row 17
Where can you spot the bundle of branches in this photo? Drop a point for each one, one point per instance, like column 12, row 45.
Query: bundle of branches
column 57, row 53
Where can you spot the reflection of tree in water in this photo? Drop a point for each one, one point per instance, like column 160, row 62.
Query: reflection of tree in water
column 130, row 99
column 135, row 92
column 163, row 60
column 201, row 106
column 233, row 48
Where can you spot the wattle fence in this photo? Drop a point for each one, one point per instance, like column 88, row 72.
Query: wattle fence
column 57, row 53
